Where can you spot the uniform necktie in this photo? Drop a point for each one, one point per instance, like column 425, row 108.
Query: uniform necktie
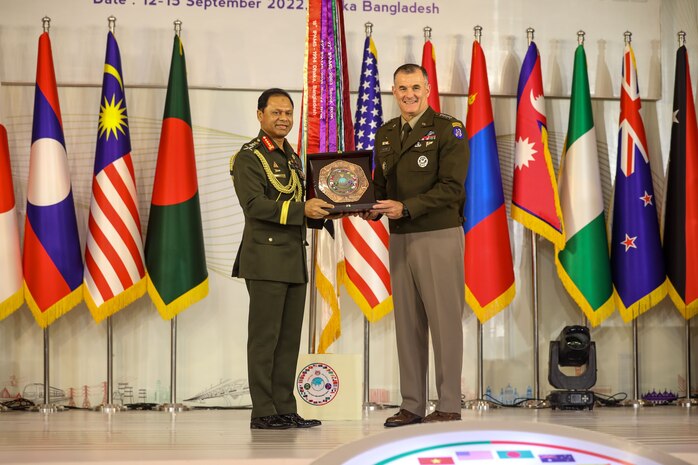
column 406, row 129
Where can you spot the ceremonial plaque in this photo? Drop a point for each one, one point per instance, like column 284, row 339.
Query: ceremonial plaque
column 342, row 179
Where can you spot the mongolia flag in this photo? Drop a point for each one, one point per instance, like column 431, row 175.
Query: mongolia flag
column 52, row 261
column 114, row 269
column 174, row 246
column 489, row 271
column 11, row 289
column 534, row 199
column 366, row 242
column 636, row 248
column 429, row 64
column 681, row 218
column 583, row 266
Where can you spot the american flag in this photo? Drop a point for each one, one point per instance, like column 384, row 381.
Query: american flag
column 366, row 242
column 369, row 111
column 114, row 269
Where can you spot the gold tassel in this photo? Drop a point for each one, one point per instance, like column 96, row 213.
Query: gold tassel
column 12, row 303
column 55, row 311
column 169, row 311
column 116, row 303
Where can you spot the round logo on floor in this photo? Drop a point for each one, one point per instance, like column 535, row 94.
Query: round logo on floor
column 318, row 384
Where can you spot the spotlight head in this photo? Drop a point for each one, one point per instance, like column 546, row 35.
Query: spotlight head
column 573, row 348
column 574, row 343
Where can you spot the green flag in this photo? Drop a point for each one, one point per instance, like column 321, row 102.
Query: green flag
column 584, row 266
column 174, row 245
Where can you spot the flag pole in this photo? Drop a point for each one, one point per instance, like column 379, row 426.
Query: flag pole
column 480, row 403
column 688, row 401
column 47, row 406
column 431, row 405
column 636, row 401
column 109, row 406
column 312, row 305
column 173, row 406
column 536, row 402
column 368, row 405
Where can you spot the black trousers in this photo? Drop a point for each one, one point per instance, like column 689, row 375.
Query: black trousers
column 273, row 341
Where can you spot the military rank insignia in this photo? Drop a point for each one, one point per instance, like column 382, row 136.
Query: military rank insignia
column 268, row 143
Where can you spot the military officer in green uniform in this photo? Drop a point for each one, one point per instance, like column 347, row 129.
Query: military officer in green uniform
column 421, row 163
column 269, row 184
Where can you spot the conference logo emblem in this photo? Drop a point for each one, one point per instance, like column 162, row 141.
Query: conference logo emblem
column 318, row 384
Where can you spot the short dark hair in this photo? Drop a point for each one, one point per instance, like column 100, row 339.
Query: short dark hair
column 410, row 68
column 263, row 99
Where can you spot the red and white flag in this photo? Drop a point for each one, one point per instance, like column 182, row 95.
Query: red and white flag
column 11, row 289
column 114, row 270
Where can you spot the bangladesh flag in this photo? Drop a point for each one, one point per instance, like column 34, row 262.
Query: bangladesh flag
column 174, row 246
column 583, row 265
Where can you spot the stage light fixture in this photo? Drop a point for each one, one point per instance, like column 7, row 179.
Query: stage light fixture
column 572, row 348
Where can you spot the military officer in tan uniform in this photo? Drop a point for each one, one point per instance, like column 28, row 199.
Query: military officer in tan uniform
column 269, row 184
column 421, row 163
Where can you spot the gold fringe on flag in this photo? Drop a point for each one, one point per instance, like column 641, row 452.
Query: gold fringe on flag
column 169, row 311
column 372, row 314
column 12, row 303
column 688, row 310
column 333, row 328
column 55, row 311
column 116, row 303
column 641, row 306
column 495, row 306
column 595, row 317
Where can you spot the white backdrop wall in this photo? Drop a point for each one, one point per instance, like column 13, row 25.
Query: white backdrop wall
column 232, row 54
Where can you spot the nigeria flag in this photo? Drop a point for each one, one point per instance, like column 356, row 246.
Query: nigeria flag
column 174, row 246
column 583, row 265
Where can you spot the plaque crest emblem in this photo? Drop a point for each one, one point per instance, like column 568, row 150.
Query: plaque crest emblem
column 318, row 384
column 422, row 161
column 342, row 181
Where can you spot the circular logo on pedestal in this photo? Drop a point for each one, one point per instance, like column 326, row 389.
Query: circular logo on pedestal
column 318, row 384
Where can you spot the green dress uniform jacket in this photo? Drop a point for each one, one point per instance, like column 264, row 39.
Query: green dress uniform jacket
column 272, row 260
column 274, row 237
column 426, row 173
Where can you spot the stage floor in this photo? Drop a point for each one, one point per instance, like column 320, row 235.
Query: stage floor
column 223, row 436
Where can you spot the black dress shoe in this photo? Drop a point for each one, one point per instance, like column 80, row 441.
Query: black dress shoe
column 270, row 422
column 298, row 421
column 402, row 418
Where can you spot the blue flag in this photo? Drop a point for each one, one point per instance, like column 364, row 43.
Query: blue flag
column 636, row 250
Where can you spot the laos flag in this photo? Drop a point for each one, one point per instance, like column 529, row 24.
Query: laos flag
column 51, row 260
column 489, row 271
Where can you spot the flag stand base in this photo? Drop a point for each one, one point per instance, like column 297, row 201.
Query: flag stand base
column 535, row 403
column 48, row 408
column 636, row 403
column 110, row 408
column 372, row 406
column 479, row 404
column 173, row 408
column 687, row 402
